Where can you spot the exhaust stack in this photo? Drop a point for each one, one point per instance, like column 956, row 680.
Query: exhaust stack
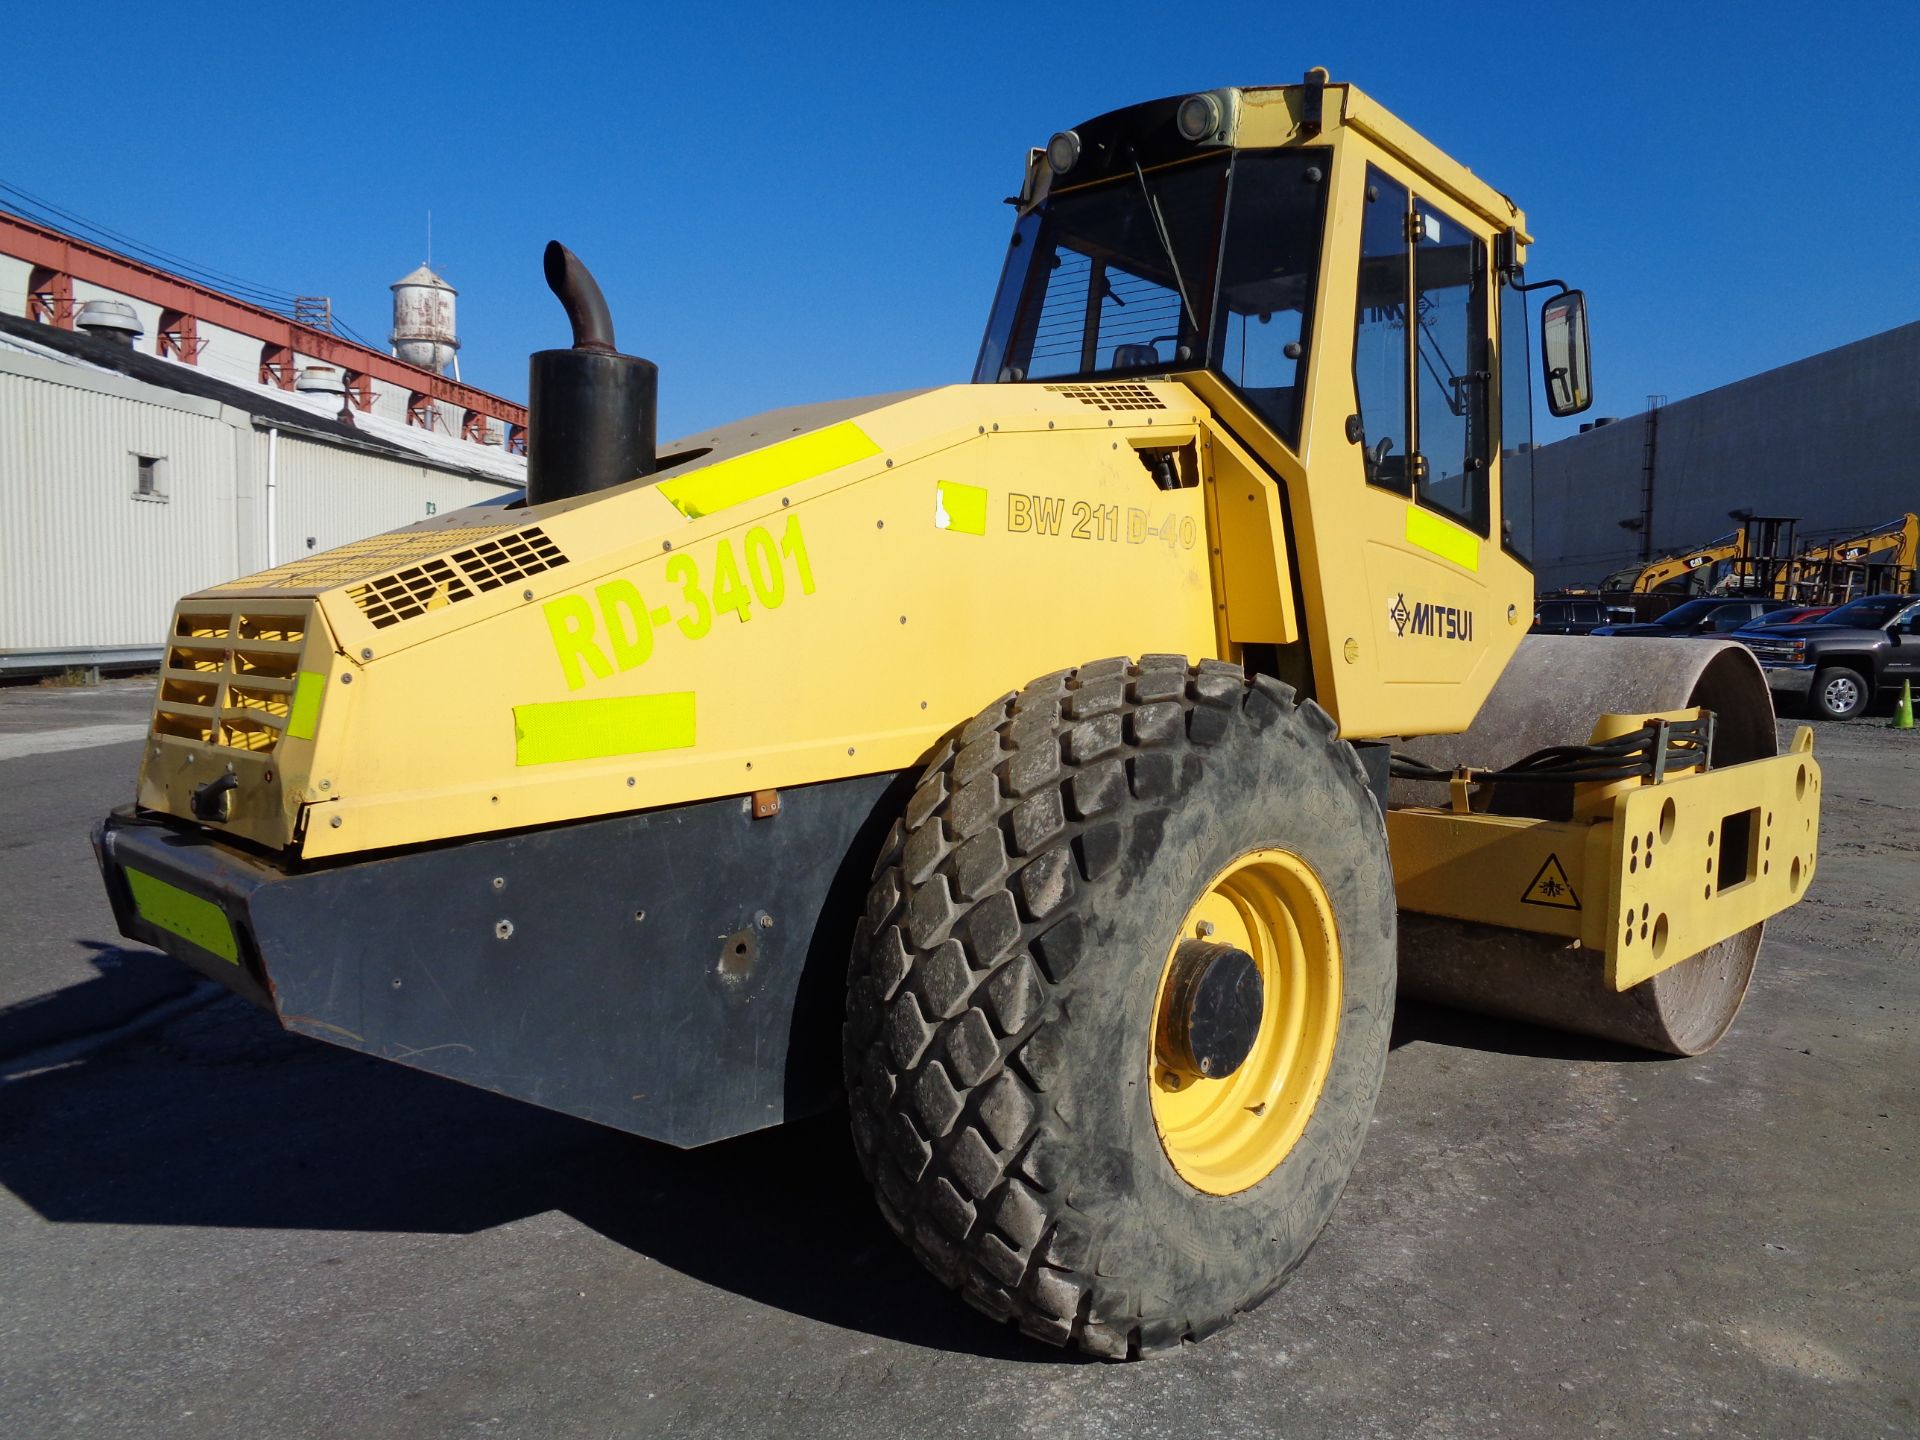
column 590, row 409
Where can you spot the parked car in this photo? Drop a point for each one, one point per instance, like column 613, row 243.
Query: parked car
column 1790, row 617
column 1708, row 615
column 1838, row 663
column 1574, row 615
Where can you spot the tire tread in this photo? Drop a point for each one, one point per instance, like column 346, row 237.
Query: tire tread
column 948, row 1081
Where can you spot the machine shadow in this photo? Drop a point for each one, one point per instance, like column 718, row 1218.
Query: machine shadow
column 221, row 1119
column 785, row 1218
column 128, row 980
column 1417, row 1021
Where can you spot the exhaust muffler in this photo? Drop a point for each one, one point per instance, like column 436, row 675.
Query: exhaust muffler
column 591, row 410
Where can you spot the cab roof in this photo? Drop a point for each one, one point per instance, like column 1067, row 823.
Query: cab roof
column 1268, row 116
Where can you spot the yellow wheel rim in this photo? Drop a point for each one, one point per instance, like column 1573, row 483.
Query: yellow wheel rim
column 1227, row 1135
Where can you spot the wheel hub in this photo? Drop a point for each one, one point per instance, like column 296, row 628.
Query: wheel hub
column 1244, row 1022
column 1211, row 1014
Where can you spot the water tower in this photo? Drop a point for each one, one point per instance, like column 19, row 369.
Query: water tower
column 423, row 332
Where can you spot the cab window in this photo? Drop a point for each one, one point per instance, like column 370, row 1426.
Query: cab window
column 1096, row 286
column 1421, row 376
column 1450, row 366
column 1268, row 270
column 1516, row 425
column 1381, row 423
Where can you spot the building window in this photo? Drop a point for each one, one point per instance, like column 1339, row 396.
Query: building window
column 150, row 477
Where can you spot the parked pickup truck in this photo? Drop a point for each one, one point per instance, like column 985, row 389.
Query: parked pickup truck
column 1838, row 663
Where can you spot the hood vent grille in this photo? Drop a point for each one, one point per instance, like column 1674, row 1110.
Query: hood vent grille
column 1112, row 397
column 358, row 559
column 447, row 579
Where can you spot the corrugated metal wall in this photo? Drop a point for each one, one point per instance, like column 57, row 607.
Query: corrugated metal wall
column 83, row 561
column 88, row 564
column 328, row 495
column 1830, row 439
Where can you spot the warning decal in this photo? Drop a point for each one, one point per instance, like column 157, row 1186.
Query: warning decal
column 1551, row 887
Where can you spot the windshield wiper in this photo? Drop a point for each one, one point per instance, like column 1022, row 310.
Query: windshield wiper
column 1166, row 244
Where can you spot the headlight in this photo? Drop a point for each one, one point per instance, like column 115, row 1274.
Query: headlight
column 1063, row 151
column 1198, row 116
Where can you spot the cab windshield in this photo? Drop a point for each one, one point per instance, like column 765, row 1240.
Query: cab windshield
column 1213, row 262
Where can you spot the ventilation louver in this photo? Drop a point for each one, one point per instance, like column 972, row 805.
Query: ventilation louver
column 359, row 559
column 229, row 677
column 1112, row 397
column 448, row 579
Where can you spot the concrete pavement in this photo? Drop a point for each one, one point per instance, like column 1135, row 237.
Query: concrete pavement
column 67, row 756
column 210, row 1228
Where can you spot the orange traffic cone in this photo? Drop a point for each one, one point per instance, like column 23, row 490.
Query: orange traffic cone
column 1903, row 712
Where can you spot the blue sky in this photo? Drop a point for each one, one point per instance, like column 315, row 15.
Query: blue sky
column 787, row 203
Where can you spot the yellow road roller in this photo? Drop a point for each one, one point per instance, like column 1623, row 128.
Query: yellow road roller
column 1066, row 767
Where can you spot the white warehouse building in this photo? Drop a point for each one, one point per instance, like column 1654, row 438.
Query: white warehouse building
column 128, row 479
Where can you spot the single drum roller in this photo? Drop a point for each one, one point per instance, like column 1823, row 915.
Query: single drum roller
column 1011, row 758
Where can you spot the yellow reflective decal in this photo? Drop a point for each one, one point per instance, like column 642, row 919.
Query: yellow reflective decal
column 747, row 477
column 200, row 922
column 961, row 508
column 595, row 729
column 1442, row 538
column 305, row 714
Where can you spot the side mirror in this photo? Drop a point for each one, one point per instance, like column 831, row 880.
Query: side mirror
column 1568, row 362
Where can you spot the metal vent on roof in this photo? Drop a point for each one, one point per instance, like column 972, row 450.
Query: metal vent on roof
column 447, row 579
column 1112, row 397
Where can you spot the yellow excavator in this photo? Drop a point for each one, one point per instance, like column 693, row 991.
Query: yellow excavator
column 1879, row 561
column 1065, row 767
column 1677, row 569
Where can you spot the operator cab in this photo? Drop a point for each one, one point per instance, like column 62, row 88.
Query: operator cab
column 1147, row 245
column 1190, row 235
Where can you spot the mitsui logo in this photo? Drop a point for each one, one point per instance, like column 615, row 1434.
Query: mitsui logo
column 1440, row 622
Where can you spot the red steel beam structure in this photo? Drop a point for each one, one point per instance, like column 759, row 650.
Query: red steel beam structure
column 75, row 259
column 50, row 297
column 180, row 336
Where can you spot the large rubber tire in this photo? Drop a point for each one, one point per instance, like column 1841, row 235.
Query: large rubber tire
column 1003, row 983
column 1838, row 693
